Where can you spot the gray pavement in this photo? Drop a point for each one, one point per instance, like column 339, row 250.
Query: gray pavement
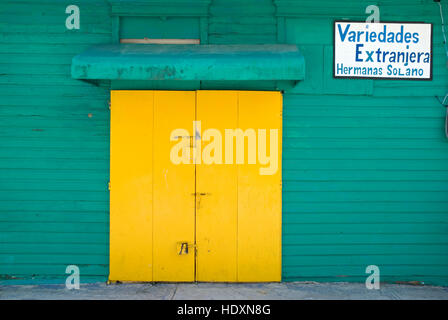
column 226, row 291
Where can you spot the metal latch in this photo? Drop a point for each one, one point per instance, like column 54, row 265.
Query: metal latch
column 184, row 247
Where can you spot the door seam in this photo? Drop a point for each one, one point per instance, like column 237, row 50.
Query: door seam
column 195, row 188
column 237, row 180
column 152, row 181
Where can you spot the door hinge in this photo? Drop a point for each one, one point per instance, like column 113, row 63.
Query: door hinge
column 108, row 185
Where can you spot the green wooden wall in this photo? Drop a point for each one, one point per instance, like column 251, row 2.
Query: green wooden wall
column 54, row 144
column 365, row 162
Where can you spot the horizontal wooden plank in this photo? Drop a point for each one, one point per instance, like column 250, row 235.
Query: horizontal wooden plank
column 343, row 271
column 54, row 248
column 46, row 195
column 240, row 28
column 55, row 205
column 89, row 151
column 48, row 279
column 374, row 229
column 306, row 114
column 438, row 280
column 362, row 249
column 48, row 91
column 364, row 154
column 361, row 143
column 359, row 196
column 53, row 38
column 242, row 9
column 354, row 186
column 54, row 237
column 91, row 3
column 305, row 218
column 48, row 8
column 250, row 39
column 377, row 164
column 92, row 111
column 293, row 205
column 54, row 174
column 369, row 133
column 55, row 163
column 247, row 20
column 364, row 175
column 67, row 259
column 357, row 101
column 30, row 17
column 44, row 48
column 58, row 133
column 325, row 121
column 100, row 101
column 50, row 269
column 34, row 142
column 54, row 153
column 431, row 91
column 84, row 120
column 41, row 69
column 379, row 260
column 72, row 227
column 54, row 185
column 88, row 27
column 360, row 238
column 48, row 80
column 58, row 216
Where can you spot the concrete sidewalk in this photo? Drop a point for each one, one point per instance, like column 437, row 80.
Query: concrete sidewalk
column 225, row 291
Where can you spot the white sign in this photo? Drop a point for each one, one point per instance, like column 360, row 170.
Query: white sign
column 383, row 50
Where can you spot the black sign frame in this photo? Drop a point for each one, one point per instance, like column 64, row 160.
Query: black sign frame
column 384, row 78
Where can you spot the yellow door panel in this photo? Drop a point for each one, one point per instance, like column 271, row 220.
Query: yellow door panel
column 259, row 191
column 174, row 188
column 173, row 220
column 131, row 186
column 216, row 189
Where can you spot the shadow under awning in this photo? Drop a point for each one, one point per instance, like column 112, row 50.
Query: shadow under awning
column 189, row 62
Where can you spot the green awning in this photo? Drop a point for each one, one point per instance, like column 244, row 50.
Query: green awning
column 189, row 62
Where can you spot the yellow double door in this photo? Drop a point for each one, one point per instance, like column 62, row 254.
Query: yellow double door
column 217, row 221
